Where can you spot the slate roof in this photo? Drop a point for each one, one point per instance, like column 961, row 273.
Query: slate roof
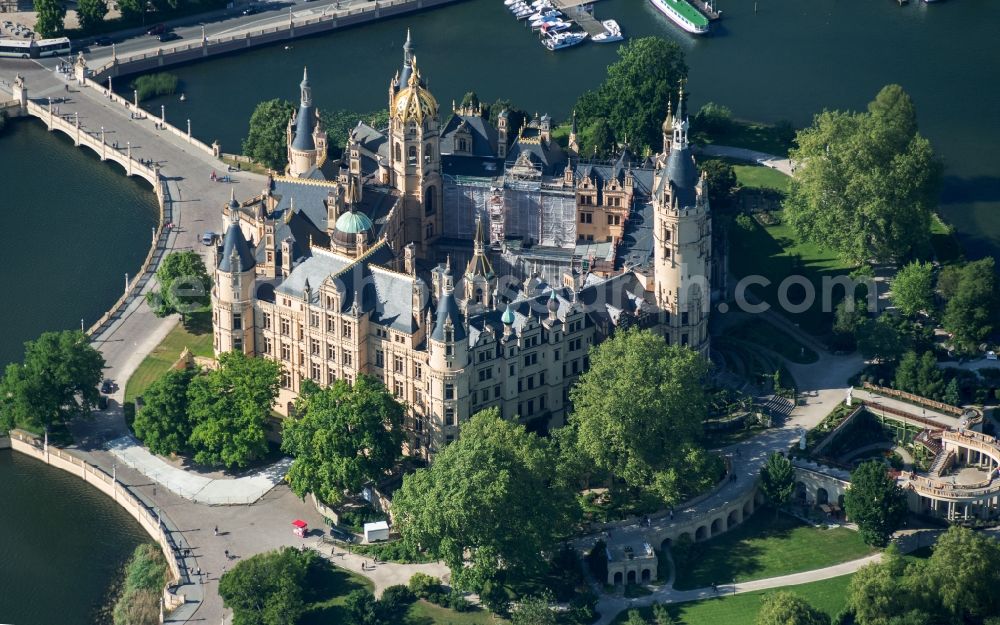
column 484, row 135
column 448, row 309
column 636, row 246
column 547, row 154
column 235, row 242
column 384, row 294
column 371, row 139
column 683, row 174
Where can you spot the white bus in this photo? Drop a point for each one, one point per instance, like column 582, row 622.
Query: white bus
column 15, row 48
column 21, row 49
column 50, row 47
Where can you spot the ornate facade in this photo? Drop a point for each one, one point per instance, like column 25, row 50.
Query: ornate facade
column 361, row 266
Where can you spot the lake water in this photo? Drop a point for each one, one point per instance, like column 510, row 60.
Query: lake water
column 73, row 226
column 63, row 545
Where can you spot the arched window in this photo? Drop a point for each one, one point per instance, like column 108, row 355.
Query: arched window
column 412, row 152
column 429, row 206
column 428, row 151
column 399, row 153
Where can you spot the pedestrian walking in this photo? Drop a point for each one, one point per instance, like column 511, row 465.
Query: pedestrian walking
column 227, row 554
column 216, row 530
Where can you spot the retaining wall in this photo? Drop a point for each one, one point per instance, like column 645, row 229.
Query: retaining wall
column 30, row 446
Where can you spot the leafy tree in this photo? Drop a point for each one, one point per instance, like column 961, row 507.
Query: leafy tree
column 786, row 608
column 50, row 17
column 229, row 408
column 913, row 288
column 516, row 117
column 91, row 12
column 875, row 503
column 267, row 588
column 342, row 437
column 777, row 480
column 882, row 339
column 635, row 617
column 131, row 9
column 964, row 573
column 489, row 505
column 951, row 393
column 533, row 610
column 894, row 108
column 162, row 423
column 713, row 118
column 948, row 279
column 266, row 142
column 57, row 380
column 598, row 138
column 633, row 98
column 865, row 185
column 470, row 99
column 920, row 375
column 362, row 608
column 185, row 286
column 849, row 316
column 639, row 411
column 661, row 615
column 970, row 313
column 721, row 179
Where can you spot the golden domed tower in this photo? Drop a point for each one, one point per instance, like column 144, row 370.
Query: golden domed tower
column 414, row 155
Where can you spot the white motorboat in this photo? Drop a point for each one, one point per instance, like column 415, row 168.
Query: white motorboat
column 523, row 14
column 549, row 14
column 510, row 2
column 556, row 27
column 612, row 32
column 538, row 24
column 559, row 41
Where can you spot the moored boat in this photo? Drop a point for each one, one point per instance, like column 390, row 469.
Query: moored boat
column 612, row 32
column 559, row 41
column 682, row 13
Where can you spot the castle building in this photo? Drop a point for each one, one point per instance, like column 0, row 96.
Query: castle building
column 466, row 265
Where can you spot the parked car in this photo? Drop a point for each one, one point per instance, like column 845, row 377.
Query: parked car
column 102, row 41
column 157, row 30
column 169, row 36
column 107, row 387
column 250, row 10
column 208, row 238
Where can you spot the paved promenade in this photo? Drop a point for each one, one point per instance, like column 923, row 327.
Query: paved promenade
column 783, row 165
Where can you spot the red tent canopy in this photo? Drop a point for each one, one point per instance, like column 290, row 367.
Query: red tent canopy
column 300, row 523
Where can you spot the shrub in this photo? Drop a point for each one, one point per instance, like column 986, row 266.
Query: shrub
column 422, row 585
column 145, row 575
column 597, row 560
column 394, row 601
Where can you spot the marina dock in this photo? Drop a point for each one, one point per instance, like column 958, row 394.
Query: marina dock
column 576, row 10
column 707, row 9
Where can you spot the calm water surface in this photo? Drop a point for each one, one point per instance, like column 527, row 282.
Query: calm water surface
column 787, row 61
column 62, row 544
column 72, row 227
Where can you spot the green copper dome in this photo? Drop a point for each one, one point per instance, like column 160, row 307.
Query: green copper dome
column 353, row 222
column 508, row 315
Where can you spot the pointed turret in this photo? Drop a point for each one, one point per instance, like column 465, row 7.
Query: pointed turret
column 303, row 139
column 449, row 325
column 237, row 257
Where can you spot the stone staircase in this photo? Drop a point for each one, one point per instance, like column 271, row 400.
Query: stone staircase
column 941, row 462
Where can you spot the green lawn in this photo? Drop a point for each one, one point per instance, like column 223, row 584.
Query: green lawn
column 329, row 587
column 828, row 595
column 751, row 136
column 756, row 330
column 775, row 252
column 195, row 336
column 765, row 547
column 760, row 177
column 944, row 241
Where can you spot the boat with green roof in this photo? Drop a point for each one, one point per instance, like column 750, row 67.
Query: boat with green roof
column 683, row 13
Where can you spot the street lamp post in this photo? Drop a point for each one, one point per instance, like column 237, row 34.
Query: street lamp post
column 163, row 114
column 135, row 97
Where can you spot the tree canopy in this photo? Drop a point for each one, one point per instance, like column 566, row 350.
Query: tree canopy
column 875, row 502
column 339, row 123
column 229, row 408
column 91, row 12
column 266, row 141
column 639, row 411
column 162, row 423
column 913, row 288
column 919, row 375
column 777, row 479
column 489, row 505
column 57, row 380
column 342, row 437
column 787, row 608
column 970, row 312
column 956, row 584
column 721, row 180
column 633, row 98
column 185, row 286
column 50, row 17
column 866, row 183
column 267, row 588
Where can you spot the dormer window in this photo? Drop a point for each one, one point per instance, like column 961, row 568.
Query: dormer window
column 463, row 145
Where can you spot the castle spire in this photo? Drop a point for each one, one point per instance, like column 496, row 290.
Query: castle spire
column 305, row 89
